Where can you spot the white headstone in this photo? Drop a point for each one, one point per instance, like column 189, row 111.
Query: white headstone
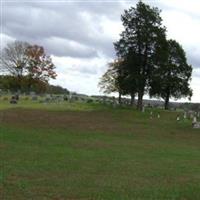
column 194, row 120
column 185, row 115
column 196, row 125
column 158, row 116
column 151, row 115
column 177, row 118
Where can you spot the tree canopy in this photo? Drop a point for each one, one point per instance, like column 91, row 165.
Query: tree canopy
column 172, row 78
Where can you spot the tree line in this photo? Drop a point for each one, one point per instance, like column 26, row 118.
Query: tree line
column 147, row 62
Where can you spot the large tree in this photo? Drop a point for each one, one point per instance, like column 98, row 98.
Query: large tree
column 40, row 66
column 25, row 61
column 172, row 79
column 140, row 43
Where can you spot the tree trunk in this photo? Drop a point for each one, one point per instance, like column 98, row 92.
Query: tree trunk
column 19, row 84
column 120, row 98
column 167, row 98
column 167, row 102
column 140, row 100
column 132, row 99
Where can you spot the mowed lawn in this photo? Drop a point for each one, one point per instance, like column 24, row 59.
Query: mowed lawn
column 87, row 151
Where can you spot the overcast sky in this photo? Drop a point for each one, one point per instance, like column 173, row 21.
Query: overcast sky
column 79, row 35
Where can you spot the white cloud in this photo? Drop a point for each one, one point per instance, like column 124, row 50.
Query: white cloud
column 80, row 75
column 182, row 27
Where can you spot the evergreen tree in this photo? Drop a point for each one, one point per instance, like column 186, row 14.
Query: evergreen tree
column 140, row 45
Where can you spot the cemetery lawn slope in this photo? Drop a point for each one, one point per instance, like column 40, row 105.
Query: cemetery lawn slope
column 97, row 153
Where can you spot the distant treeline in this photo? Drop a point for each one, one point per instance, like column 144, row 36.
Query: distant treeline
column 11, row 84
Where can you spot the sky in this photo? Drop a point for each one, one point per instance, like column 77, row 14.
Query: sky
column 79, row 35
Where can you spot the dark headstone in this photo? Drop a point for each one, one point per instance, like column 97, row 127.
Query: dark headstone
column 14, row 100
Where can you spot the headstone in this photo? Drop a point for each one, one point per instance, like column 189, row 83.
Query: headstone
column 13, row 100
column 158, row 116
column 65, row 98
column 34, row 98
column 177, row 118
column 194, row 120
column 143, row 109
column 151, row 115
column 185, row 115
column 196, row 125
column 17, row 97
column 70, row 97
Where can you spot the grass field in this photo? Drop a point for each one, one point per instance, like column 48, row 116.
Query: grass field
column 87, row 151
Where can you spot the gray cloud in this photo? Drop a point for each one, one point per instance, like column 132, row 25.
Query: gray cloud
column 70, row 48
column 194, row 59
column 77, row 22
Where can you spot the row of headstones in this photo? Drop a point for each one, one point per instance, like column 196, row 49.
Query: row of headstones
column 68, row 98
column 152, row 115
column 192, row 115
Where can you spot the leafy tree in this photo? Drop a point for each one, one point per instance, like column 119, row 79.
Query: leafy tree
column 172, row 79
column 112, row 80
column 140, row 44
column 27, row 63
column 40, row 65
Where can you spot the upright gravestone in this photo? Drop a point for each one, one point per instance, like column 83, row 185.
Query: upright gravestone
column 151, row 115
column 196, row 125
column 158, row 116
column 194, row 121
column 70, row 97
column 178, row 118
column 143, row 109
column 185, row 115
column 34, row 98
column 13, row 100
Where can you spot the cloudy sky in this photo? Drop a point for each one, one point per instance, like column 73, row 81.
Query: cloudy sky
column 79, row 34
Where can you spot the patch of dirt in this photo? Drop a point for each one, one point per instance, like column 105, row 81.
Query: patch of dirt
column 93, row 120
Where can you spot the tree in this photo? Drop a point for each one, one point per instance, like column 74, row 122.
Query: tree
column 26, row 62
column 112, row 80
column 172, row 79
column 14, row 61
column 140, row 44
column 40, row 66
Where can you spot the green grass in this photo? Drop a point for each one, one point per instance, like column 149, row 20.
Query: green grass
column 96, row 152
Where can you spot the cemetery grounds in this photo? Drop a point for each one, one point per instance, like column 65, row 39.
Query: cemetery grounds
column 92, row 151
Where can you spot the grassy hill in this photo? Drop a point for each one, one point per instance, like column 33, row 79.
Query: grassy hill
column 91, row 151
